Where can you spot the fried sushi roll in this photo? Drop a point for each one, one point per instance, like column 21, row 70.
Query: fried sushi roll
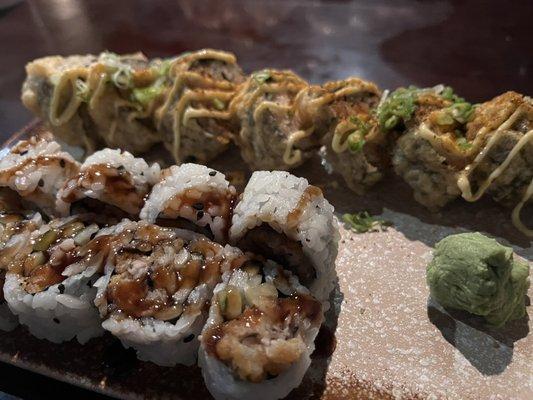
column 36, row 169
column 274, row 133
column 49, row 283
column 260, row 334
column 284, row 218
column 195, row 197
column 354, row 146
column 433, row 149
column 194, row 119
column 110, row 177
column 15, row 230
column 500, row 141
column 96, row 101
column 158, row 281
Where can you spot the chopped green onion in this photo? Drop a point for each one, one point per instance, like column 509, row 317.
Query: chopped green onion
column 356, row 142
column 460, row 112
column 363, row 222
column 448, row 94
column 147, row 94
column 82, row 90
column 397, row 107
column 165, row 66
column 262, row 76
column 123, row 78
column 464, row 144
column 219, row 104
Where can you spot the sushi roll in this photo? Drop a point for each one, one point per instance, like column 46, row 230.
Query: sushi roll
column 49, row 283
column 500, row 141
column 353, row 143
column 260, row 334
column 96, row 101
column 36, row 169
column 157, row 284
column 274, row 130
column 111, row 177
column 194, row 119
column 284, row 218
column 433, row 148
column 16, row 226
column 195, row 197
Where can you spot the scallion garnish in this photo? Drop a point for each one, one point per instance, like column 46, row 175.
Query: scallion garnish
column 363, row 222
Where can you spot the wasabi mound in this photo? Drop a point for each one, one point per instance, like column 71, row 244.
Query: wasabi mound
column 474, row 273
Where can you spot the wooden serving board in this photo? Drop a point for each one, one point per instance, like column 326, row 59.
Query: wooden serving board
column 383, row 339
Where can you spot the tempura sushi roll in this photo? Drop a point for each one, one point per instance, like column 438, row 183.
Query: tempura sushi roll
column 96, row 101
column 157, row 284
column 353, row 143
column 36, row 169
column 111, row 177
column 195, row 197
column 15, row 229
column 194, row 119
column 260, row 334
column 49, row 283
column 500, row 141
column 288, row 220
column 273, row 132
column 433, row 150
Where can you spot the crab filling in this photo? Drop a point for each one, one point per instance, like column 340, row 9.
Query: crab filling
column 50, row 253
column 261, row 335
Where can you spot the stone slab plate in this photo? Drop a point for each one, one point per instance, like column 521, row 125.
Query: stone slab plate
column 384, row 338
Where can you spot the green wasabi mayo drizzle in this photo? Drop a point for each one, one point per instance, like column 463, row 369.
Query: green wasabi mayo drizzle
column 474, row 273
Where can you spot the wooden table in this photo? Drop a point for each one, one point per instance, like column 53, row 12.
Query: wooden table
column 481, row 48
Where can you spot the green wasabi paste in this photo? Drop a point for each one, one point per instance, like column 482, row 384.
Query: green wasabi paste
column 472, row 272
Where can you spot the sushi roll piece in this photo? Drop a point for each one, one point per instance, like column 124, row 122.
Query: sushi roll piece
column 101, row 100
column 194, row 119
column 49, row 283
column 36, row 169
column 284, row 218
column 274, row 130
column 16, row 226
column 500, row 142
column 157, row 284
column 195, row 197
column 111, row 177
column 354, row 146
column 260, row 334
column 433, row 149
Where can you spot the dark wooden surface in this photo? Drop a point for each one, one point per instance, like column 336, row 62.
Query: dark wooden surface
column 481, row 48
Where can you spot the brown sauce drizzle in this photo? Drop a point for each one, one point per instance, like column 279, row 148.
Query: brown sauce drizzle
column 131, row 296
column 118, row 186
column 307, row 196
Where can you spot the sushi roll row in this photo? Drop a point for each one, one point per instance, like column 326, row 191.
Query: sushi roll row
column 196, row 104
column 172, row 262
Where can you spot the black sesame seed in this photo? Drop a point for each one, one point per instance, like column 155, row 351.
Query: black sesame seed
column 198, row 206
column 40, row 183
column 56, row 320
column 23, row 153
column 61, row 288
column 62, row 163
column 212, row 173
column 188, row 338
column 199, row 215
